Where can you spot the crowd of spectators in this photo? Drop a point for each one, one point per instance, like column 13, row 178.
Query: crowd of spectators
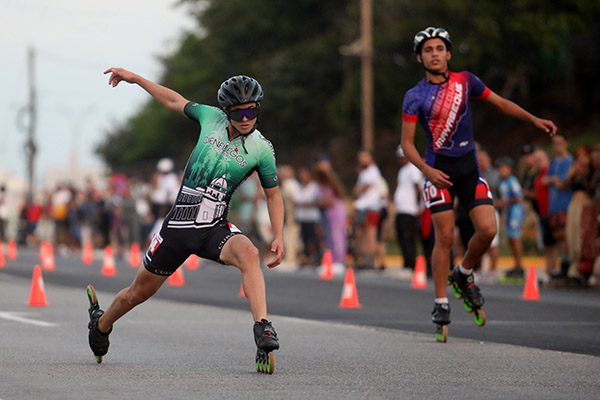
column 561, row 192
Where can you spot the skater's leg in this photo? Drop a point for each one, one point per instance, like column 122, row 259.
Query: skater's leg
column 241, row 253
column 443, row 225
column 143, row 287
column 484, row 222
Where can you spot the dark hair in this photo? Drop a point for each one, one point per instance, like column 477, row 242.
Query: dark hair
column 329, row 179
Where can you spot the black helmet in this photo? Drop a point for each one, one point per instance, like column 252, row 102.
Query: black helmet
column 431, row 33
column 239, row 89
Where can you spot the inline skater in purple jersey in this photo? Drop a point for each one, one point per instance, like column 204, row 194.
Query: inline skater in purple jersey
column 441, row 104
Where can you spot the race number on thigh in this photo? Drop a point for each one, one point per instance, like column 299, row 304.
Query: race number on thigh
column 433, row 196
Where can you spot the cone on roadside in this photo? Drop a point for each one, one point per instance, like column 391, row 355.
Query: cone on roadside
column 349, row 292
column 37, row 294
column 2, row 259
column 47, row 256
column 177, row 279
column 87, row 257
column 420, row 275
column 108, row 262
column 11, row 251
column 192, row 262
column 242, row 293
column 134, row 255
column 532, row 291
column 327, row 266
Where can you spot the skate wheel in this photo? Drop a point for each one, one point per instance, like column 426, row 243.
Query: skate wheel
column 265, row 362
column 441, row 333
column 91, row 293
column 467, row 306
column 98, row 359
column 479, row 317
column 456, row 292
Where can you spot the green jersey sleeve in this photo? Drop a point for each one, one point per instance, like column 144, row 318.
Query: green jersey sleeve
column 267, row 170
column 202, row 113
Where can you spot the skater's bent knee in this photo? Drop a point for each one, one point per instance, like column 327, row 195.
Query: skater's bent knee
column 487, row 233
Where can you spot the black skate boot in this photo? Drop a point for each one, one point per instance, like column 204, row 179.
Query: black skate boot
column 441, row 317
column 266, row 341
column 98, row 341
column 463, row 286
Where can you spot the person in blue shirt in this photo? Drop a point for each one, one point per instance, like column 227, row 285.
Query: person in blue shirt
column 511, row 196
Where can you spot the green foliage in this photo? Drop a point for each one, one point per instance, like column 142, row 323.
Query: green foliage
column 543, row 55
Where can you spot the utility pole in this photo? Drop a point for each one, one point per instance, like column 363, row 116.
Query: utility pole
column 31, row 112
column 363, row 48
column 366, row 23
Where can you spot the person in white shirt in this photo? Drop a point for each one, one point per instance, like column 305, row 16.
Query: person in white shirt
column 407, row 199
column 308, row 215
column 368, row 206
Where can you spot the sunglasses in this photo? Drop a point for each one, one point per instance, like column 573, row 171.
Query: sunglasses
column 239, row 114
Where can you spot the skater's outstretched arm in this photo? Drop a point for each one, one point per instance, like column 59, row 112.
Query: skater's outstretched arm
column 514, row 110
column 165, row 96
column 275, row 207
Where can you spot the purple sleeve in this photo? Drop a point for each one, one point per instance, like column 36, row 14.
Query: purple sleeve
column 478, row 88
column 410, row 106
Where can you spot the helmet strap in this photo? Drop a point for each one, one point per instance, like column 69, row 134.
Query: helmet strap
column 446, row 73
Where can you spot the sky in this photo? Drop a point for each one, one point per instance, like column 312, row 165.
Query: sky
column 75, row 41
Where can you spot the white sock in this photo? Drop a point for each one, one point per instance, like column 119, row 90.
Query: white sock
column 441, row 300
column 464, row 270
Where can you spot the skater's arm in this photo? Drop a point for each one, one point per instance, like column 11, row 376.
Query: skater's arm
column 275, row 207
column 437, row 177
column 165, row 96
column 514, row 110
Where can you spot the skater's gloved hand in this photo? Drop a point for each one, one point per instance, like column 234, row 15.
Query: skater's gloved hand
column 277, row 248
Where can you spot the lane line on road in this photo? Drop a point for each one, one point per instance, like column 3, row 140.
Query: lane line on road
column 19, row 317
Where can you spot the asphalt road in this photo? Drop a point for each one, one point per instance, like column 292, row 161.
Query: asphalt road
column 195, row 341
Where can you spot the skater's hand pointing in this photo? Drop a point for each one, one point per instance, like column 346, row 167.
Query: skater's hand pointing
column 277, row 248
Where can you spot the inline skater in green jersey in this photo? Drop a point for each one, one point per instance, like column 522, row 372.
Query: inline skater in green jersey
column 229, row 149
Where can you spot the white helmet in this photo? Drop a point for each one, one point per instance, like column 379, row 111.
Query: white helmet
column 165, row 165
column 431, row 33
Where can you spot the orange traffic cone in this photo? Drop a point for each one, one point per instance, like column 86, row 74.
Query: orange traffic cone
column 47, row 256
column 11, row 251
column 2, row 259
column 420, row 275
column 134, row 255
column 177, row 279
column 192, row 262
column 87, row 257
column 327, row 265
column 37, row 295
column 242, row 293
column 349, row 292
column 108, row 262
column 532, row 291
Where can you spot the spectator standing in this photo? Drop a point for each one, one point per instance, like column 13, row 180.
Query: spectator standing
column 492, row 176
column 308, row 216
column 331, row 200
column 582, row 223
column 3, row 212
column 407, row 200
column 289, row 186
column 367, row 205
column 511, row 195
column 542, row 199
column 165, row 186
column 560, row 197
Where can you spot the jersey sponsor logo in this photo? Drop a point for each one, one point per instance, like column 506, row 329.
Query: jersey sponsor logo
column 433, row 196
column 448, row 115
column 233, row 228
column 464, row 144
column 226, row 151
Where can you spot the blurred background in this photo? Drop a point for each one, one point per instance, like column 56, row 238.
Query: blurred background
column 334, row 75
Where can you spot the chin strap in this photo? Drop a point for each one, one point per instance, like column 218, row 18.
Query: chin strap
column 446, row 73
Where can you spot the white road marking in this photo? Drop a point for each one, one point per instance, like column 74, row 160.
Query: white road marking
column 20, row 317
